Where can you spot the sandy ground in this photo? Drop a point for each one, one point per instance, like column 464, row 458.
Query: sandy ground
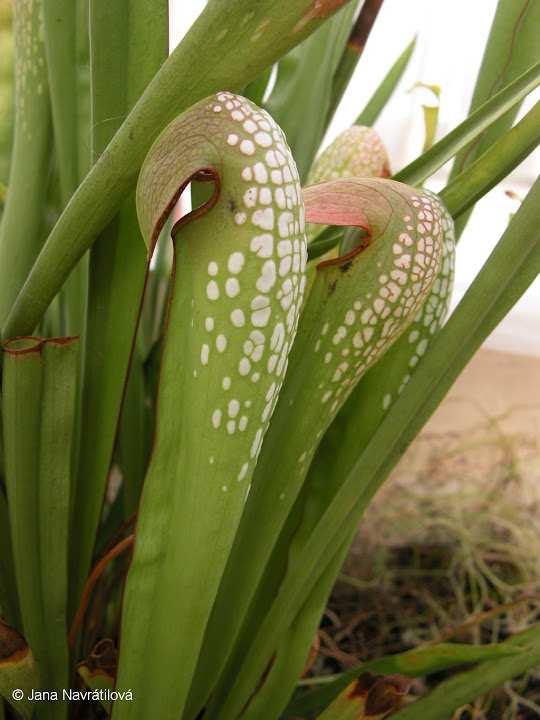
column 496, row 385
column 490, row 416
column 485, row 435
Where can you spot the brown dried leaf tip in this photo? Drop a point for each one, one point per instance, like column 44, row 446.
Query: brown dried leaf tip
column 318, row 10
column 103, row 660
column 381, row 694
column 13, row 647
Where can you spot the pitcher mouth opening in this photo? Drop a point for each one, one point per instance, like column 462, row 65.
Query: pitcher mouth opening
column 202, row 175
column 347, row 257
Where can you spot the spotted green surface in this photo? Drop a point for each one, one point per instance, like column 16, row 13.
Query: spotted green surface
column 381, row 289
column 365, row 409
column 356, row 152
column 357, row 307
column 382, row 384
column 386, row 381
column 236, row 296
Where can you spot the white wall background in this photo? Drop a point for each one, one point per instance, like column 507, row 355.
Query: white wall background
column 448, row 53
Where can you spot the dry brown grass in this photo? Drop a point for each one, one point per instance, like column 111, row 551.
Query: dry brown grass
column 449, row 550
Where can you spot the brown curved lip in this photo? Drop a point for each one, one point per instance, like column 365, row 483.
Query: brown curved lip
column 322, row 209
column 13, row 646
column 344, row 259
column 204, row 174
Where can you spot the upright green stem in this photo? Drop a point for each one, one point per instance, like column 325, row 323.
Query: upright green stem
column 237, row 289
column 39, row 392
column 20, row 230
column 6, row 94
column 83, row 90
column 60, row 43
column 384, row 91
column 9, row 603
column 22, row 386
column 292, row 651
column 58, row 403
column 495, row 164
column 121, row 68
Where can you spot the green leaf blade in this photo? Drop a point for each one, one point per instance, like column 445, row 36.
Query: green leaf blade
column 384, row 92
column 39, row 397
column 470, row 129
column 452, row 694
column 122, row 67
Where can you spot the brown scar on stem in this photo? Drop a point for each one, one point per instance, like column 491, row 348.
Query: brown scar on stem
column 260, row 684
column 313, row 652
column 91, row 581
column 318, row 10
column 363, row 25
